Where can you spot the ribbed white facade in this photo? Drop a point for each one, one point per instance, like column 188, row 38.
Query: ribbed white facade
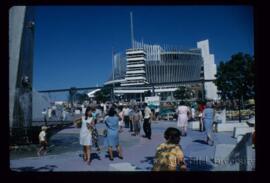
column 135, row 69
column 152, row 51
column 157, row 65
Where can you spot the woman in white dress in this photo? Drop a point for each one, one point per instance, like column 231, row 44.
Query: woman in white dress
column 182, row 120
column 86, row 135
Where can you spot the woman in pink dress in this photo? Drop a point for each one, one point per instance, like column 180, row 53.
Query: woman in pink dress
column 182, row 121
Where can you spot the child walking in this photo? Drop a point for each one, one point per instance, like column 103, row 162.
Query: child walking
column 42, row 141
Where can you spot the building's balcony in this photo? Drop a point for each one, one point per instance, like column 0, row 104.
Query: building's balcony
column 136, row 58
column 132, row 62
column 135, row 72
column 134, row 51
column 136, row 65
column 130, row 78
column 132, row 84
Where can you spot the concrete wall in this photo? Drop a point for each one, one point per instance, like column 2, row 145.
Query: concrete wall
column 21, row 45
column 16, row 22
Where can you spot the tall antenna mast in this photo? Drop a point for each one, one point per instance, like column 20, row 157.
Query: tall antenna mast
column 113, row 74
column 131, row 28
column 113, row 62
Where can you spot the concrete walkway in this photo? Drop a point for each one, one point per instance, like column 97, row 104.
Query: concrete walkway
column 65, row 152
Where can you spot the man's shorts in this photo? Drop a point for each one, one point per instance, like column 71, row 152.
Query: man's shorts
column 43, row 144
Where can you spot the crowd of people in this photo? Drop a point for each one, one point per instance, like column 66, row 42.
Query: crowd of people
column 169, row 155
column 54, row 113
column 208, row 115
column 115, row 118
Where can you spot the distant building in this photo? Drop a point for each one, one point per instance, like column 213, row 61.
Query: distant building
column 164, row 68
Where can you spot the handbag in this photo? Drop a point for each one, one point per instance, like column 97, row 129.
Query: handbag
column 78, row 123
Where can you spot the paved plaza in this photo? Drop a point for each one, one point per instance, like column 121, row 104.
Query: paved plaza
column 65, row 152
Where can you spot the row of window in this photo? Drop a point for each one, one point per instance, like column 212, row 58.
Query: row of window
column 135, row 81
column 180, row 56
column 137, row 60
column 136, row 63
column 135, row 75
column 169, row 73
column 135, row 69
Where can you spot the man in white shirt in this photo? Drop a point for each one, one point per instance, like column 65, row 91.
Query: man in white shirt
column 130, row 114
column 147, row 122
column 126, row 116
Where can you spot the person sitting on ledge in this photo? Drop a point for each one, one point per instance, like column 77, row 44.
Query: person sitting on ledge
column 169, row 156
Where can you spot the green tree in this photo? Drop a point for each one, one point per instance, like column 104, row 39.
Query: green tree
column 147, row 93
column 81, row 97
column 235, row 79
column 104, row 94
column 183, row 93
column 72, row 92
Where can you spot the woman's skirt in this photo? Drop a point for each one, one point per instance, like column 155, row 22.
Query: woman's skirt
column 208, row 123
column 112, row 139
column 137, row 126
column 86, row 139
column 182, row 120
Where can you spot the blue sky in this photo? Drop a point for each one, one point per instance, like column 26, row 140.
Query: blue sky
column 73, row 44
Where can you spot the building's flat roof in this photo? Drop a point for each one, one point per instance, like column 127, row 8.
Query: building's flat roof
column 179, row 52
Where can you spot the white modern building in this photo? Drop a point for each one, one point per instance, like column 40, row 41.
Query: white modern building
column 135, row 69
column 165, row 69
column 209, row 70
column 160, row 69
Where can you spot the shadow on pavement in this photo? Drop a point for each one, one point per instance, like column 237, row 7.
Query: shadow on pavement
column 200, row 141
column 115, row 154
column 49, row 168
column 150, row 161
column 95, row 156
